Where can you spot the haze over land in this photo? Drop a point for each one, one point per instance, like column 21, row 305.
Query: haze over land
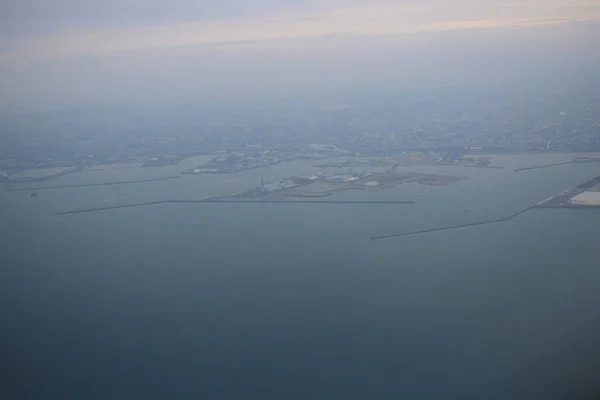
column 203, row 77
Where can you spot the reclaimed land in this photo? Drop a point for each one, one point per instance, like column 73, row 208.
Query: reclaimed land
column 566, row 206
column 492, row 221
column 577, row 160
column 563, row 199
column 356, row 165
column 92, row 184
column 235, row 201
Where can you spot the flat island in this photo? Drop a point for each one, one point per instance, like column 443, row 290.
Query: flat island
column 323, row 184
column 415, row 159
column 584, row 195
column 241, row 161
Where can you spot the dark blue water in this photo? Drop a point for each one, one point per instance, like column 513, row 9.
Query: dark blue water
column 294, row 301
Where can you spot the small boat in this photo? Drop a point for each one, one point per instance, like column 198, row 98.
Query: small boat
column 33, row 194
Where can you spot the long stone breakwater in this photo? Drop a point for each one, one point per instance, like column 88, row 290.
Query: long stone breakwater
column 212, row 201
column 577, row 160
column 543, row 166
column 91, row 184
column 486, row 222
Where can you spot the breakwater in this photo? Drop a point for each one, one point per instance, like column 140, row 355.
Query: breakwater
column 91, row 184
column 296, row 201
column 112, row 207
column 543, row 166
column 445, row 228
column 431, row 191
column 214, row 201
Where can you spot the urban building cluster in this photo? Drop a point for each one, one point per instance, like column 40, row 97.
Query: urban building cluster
column 441, row 127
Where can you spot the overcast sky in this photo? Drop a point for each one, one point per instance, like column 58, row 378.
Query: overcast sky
column 88, row 49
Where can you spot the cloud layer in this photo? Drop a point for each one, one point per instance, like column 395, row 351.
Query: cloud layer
column 56, row 52
column 59, row 27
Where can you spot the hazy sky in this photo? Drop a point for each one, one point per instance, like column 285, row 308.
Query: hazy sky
column 87, row 49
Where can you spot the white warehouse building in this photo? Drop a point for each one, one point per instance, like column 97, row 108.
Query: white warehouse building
column 586, row 199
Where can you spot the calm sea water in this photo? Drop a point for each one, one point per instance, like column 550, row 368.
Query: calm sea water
column 223, row 301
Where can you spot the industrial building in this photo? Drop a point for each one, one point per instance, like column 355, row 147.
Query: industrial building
column 587, row 198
